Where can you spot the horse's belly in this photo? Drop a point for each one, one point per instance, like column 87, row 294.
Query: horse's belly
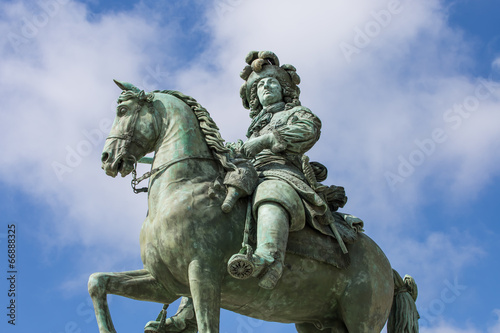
column 306, row 291
column 310, row 291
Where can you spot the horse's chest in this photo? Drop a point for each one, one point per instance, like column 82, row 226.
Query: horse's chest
column 177, row 231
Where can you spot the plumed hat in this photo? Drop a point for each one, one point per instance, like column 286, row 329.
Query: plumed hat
column 266, row 64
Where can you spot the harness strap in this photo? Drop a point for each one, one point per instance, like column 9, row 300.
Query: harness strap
column 128, row 136
column 127, row 139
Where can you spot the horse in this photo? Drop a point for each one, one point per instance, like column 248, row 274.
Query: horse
column 186, row 239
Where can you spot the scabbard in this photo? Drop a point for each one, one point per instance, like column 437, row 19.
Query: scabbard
column 331, row 221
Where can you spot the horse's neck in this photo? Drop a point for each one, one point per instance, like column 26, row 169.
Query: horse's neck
column 181, row 144
column 180, row 136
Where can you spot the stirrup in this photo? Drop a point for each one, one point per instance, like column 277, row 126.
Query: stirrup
column 240, row 266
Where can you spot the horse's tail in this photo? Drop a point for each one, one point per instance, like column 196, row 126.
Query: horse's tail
column 404, row 315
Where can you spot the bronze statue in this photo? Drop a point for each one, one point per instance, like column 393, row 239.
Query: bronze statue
column 199, row 210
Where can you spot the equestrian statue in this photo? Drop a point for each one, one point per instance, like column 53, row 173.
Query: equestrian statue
column 301, row 261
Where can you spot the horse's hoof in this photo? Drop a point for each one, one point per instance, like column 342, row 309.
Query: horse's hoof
column 240, row 267
column 152, row 327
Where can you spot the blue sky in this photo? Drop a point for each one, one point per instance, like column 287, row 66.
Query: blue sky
column 411, row 128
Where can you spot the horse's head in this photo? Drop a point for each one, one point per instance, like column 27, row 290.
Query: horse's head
column 134, row 133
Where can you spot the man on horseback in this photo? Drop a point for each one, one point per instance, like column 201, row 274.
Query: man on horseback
column 280, row 133
column 184, row 194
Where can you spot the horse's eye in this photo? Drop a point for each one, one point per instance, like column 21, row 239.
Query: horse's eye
column 121, row 111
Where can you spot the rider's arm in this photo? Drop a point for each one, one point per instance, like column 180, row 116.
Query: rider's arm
column 296, row 135
column 300, row 132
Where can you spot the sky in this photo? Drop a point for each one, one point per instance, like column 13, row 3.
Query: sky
column 408, row 93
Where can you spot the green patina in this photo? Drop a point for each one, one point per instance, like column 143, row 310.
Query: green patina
column 302, row 262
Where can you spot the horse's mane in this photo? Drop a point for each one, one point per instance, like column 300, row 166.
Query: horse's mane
column 208, row 128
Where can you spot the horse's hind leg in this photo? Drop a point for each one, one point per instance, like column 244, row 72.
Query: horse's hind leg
column 365, row 308
column 139, row 285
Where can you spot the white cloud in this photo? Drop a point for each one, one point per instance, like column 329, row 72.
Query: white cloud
column 496, row 64
column 446, row 327
column 57, row 92
column 496, row 327
column 395, row 91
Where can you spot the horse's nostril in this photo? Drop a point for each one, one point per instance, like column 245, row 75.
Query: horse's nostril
column 104, row 157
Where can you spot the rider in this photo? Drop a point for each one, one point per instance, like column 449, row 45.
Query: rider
column 280, row 133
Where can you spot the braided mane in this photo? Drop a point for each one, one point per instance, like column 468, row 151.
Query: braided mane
column 208, row 128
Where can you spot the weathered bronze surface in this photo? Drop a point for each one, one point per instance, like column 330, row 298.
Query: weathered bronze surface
column 312, row 266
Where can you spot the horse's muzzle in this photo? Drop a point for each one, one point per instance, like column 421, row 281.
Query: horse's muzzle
column 122, row 164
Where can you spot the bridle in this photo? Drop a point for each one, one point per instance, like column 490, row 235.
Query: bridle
column 128, row 136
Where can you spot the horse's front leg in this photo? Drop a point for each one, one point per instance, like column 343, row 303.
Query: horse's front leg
column 139, row 285
column 205, row 286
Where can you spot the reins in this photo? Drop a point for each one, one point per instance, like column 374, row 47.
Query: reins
column 150, row 174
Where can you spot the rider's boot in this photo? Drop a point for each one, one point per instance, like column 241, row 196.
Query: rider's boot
column 272, row 236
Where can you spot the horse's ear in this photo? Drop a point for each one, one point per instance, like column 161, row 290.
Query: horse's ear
column 127, row 86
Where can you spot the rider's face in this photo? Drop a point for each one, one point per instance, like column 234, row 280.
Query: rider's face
column 269, row 91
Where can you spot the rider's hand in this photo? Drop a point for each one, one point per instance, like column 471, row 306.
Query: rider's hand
column 254, row 146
